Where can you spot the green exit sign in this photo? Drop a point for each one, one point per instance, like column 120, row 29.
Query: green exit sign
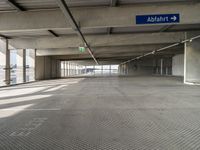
column 81, row 49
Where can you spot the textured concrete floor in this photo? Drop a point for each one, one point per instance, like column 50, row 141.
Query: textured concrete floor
column 142, row 113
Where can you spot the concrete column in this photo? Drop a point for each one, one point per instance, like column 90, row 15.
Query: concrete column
column 7, row 66
column 167, row 71
column 102, row 70
column 2, row 61
column 44, row 68
column 110, row 70
column 121, row 69
column 161, row 66
column 127, row 68
column 178, row 65
column 39, row 65
column 74, row 66
column 79, row 70
column 55, row 68
column 192, row 60
column 35, row 51
column 85, row 70
column 70, row 69
column 24, row 65
column 94, row 70
column 58, row 69
column 20, row 67
column 76, row 69
column 67, row 68
column 63, row 64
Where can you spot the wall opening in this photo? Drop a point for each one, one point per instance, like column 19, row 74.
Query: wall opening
column 72, row 69
column 22, row 64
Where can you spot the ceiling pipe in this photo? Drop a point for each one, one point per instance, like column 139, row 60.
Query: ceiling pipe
column 69, row 17
column 162, row 49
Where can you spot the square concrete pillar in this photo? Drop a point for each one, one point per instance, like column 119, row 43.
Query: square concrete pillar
column 2, row 61
column 7, row 67
column 192, row 60
column 20, row 69
column 24, row 65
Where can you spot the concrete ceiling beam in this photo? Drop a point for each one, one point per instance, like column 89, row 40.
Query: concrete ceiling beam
column 104, row 50
column 97, row 40
column 96, row 17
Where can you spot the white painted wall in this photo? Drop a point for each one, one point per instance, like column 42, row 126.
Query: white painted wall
column 178, row 65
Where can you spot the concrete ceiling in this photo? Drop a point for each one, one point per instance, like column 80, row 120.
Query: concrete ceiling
column 108, row 26
column 51, row 4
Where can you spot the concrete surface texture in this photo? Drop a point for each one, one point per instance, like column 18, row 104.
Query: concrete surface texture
column 178, row 65
column 118, row 113
column 192, row 61
column 115, row 17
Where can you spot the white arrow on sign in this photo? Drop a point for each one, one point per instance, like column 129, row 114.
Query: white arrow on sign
column 173, row 18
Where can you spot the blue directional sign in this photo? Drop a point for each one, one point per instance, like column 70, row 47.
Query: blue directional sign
column 158, row 19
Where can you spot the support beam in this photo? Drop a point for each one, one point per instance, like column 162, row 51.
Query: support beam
column 121, row 56
column 13, row 4
column 5, row 37
column 107, row 50
column 68, row 15
column 98, row 40
column 115, row 17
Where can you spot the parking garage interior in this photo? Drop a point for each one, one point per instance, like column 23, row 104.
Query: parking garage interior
column 99, row 74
